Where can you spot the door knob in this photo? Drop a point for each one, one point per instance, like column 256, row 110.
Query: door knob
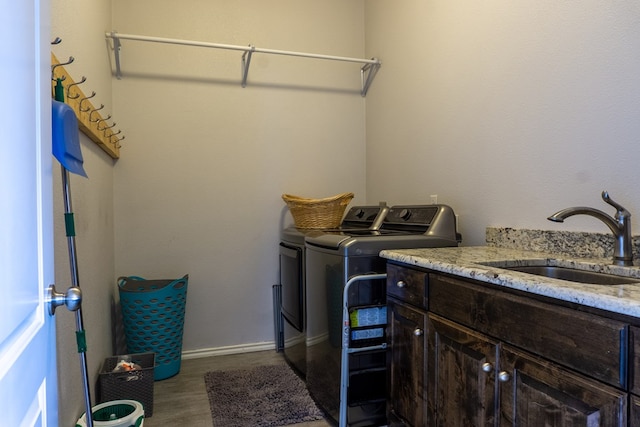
column 401, row 284
column 504, row 376
column 486, row 367
column 72, row 299
column 418, row 332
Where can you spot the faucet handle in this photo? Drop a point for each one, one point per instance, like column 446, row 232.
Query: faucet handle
column 621, row 210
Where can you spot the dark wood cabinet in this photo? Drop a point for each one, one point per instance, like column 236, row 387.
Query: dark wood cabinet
column 587, row 343
column 472, row 376
column 634, row 411
column 634, row 376
column 536, row 392
column 499, row 358
column 407, row 369
column 461, row 389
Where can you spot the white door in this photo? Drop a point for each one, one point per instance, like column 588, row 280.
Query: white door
column 28, row 383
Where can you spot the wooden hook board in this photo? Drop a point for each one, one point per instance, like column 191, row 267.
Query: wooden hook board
column 104, row 138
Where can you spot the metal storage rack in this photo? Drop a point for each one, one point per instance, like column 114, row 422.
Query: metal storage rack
column 357, row 338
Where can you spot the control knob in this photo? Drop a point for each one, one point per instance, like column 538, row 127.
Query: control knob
column 405, row 214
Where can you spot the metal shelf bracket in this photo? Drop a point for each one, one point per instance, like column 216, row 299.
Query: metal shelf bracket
column 116, row 53
column 246, row 61
column 367, row 73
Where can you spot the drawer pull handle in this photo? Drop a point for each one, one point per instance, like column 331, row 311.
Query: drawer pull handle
column 401, row 284
column 486, row 367
column 418, row 332
column 504, row 376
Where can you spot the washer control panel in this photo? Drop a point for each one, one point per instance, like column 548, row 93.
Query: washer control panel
column 362, row 216
column 417, row 215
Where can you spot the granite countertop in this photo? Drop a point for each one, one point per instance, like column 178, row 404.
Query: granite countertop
column 480, row 263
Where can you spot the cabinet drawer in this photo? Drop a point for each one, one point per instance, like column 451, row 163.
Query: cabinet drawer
column 587, row 343
column 407, row 285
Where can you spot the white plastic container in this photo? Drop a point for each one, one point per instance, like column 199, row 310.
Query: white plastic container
column 116, row 413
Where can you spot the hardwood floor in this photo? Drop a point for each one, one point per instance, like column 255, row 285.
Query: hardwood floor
column 182, row 400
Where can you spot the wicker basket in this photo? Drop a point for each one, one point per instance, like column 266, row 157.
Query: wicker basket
column 317, row 213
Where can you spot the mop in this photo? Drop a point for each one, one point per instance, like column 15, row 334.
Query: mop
column 66, row 148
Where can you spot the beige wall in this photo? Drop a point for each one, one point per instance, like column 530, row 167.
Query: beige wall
column 81, row 27
column 506, row 110
column 198, row 187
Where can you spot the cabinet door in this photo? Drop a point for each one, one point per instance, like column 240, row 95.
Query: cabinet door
column 634, row 411
column 461, row 380
column 536, row 392
column 407, row 370
column 634, row 360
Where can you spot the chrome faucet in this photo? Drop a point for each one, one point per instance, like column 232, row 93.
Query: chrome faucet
column 620, row 226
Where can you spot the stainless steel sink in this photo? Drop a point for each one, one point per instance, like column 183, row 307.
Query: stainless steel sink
column 574, row 275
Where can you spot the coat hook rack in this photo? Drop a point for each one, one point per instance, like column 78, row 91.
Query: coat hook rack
column 368, row 70
column 85, row 111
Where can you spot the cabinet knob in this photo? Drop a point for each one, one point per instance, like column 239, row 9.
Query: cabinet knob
column 486, row 367
column 418, row 332
column 504, row 376
column 401, row 284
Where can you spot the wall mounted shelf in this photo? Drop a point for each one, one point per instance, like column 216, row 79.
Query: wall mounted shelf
column 367, row 71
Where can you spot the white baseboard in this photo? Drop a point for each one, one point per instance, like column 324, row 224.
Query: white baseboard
column 232, row 349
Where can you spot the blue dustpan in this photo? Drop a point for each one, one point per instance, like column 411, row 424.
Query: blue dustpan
column 66, row 138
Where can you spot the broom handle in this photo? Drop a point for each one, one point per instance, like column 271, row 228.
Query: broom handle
column 73, row 262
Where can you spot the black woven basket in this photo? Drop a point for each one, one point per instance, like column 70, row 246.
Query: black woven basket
column 128, row 385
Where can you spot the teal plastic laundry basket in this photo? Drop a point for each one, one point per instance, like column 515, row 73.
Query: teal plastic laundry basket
column 153, row 319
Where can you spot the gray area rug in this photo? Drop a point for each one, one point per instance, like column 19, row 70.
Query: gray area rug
column 262, row 396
